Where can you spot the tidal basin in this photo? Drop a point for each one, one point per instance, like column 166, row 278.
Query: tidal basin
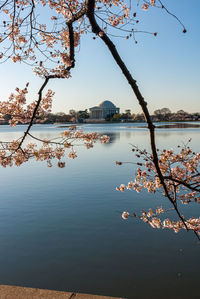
column 61, row 229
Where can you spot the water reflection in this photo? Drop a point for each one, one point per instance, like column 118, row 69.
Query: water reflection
column 169, row 125
column 178, row 126
column 114, row 136
column 128, row 134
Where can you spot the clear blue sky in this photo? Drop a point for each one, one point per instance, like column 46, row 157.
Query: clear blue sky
column 166, row 67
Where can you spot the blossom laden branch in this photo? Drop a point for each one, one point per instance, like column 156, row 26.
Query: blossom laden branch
column 180, row 171
column 12, row 153
column 111, row 47
column 151, row 218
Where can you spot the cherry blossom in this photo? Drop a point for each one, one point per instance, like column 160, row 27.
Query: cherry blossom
column 181, row 173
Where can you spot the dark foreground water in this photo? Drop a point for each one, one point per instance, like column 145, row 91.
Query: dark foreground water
column 62, row 228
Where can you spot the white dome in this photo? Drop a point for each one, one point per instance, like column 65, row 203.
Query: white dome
column 107, row 105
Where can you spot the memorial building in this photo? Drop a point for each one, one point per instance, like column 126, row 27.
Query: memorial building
column 106, row 108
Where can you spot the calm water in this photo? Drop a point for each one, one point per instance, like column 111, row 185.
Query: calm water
column 62, row 228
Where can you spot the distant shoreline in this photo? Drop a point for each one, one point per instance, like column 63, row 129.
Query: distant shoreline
column 182, row 124
column 3, row 123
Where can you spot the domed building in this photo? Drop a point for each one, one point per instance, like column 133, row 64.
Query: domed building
column 104, row 109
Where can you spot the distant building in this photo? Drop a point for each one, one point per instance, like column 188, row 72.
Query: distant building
column 104, row 109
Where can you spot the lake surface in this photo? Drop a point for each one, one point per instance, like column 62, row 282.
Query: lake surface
column 62, row 229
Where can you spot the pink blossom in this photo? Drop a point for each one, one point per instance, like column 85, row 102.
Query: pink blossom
column 125, row 215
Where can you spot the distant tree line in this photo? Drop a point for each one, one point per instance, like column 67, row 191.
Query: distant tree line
column 59, row 117
column 163, row 114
